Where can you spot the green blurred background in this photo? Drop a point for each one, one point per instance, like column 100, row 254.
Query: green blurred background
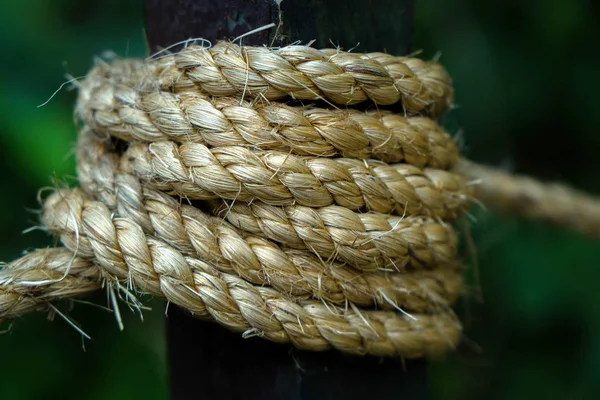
column 529, row 100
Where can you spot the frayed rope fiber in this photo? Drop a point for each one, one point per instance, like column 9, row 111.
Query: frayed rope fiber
column 211, row 179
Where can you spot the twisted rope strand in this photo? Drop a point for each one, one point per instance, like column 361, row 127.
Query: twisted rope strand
column 237, row 173
column 298, row 72
column 305, row 73
column 122, row 111
column 521, row 195
column 42, row 277
column 364, row 241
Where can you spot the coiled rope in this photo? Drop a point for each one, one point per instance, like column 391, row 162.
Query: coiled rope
column 322, row 226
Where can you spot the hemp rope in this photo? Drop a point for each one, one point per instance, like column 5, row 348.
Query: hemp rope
column 322, row 227
column 521, row 195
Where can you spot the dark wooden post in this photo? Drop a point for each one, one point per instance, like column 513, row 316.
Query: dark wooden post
column 206, row 361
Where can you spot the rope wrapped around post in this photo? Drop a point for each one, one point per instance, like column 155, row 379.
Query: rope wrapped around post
column 316, row 224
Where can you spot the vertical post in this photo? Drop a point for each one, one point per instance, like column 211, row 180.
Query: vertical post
column 206, row 361
column 367, row 25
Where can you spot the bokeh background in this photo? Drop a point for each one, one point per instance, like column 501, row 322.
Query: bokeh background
column 526, row 78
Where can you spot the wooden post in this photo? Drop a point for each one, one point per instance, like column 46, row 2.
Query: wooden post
column 378, row 25
column 205, row 360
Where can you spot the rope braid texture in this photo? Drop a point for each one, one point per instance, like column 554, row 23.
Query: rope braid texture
column 325, row 227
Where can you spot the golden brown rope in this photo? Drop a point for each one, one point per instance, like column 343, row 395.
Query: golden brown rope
column 191, row 116
column 43, row 277
column 305, row 73
column 322, row 227
column 521, row 195
column 357, row 232
column 237, row 173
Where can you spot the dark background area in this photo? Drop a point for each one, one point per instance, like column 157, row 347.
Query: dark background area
column 528, row 100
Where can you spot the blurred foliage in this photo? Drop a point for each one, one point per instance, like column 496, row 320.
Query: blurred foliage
column 527, row 100
column 527, row 91
column 44, row 44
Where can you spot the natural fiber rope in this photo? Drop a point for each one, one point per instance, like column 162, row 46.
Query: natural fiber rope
column 302, row 73
column 195, row 233
column 323, row 227
column 521, row 195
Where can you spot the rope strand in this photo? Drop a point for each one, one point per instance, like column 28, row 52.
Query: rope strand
column 122, row 111
column 305, row 73
column 238, row 173
column 521, row 195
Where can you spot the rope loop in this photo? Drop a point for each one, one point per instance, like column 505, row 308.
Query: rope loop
column 240, row 184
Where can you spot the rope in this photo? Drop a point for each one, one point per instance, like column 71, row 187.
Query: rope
column 305, row 73
column 521, row 195
column 320, row 226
